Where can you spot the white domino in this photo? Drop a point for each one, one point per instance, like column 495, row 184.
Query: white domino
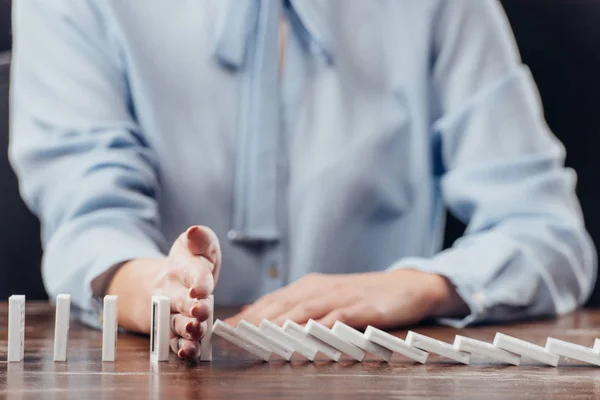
column 270, row 329
column 395, row 344
column 61, row 326
column 109, row 328
column 160, row 327
column 228, row 333
column 437, row 346
column 206, row 342
column 572, row 350
column 324, row 334
column 525, row 349
column 247, row 329
column 358, row 339
column 488, row 350
column 16, row 328
column 300, row 333
column 596, row 346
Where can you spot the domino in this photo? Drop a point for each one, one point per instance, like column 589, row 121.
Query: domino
column 437, row 346
column 161, row 325
column 572, row 350
column 525, row 349
column 16, row 328
column 324, row 334
column 488, row 350
column 61, row 326
column 295, row 330
column 270, row 329
column 109, row 328
column 228, row 333
column 596, row 346
column 353, row 336
column 395, row 344
column 206, row 342
column 247, row 329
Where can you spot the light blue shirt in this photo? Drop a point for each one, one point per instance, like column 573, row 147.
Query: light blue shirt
column 132, row 120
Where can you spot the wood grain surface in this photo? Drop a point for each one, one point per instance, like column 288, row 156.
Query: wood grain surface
column 235, row 373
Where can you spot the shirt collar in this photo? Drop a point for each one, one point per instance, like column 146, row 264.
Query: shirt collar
column 238, row 21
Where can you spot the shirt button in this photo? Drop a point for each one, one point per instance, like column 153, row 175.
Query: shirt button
column 479, row 298
column 274, row 271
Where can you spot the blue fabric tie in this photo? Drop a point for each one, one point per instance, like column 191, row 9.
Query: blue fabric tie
column 248, row 40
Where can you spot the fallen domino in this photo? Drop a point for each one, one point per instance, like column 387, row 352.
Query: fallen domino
column 160, row 327
column 61, row 326
column 572, row 350
column 109, row 328
column 247, row 330
column 324, row 334
column 395, row 344
column 484, row 349
column 16, row 328
column 271, row 329
column 525, row 349
column 358, row 339
column 295, row 330
column 437, row 346
column 206, row 341
column 230, row 334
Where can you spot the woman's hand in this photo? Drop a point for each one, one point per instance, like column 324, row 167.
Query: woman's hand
column 187, row 276
column 383, row 299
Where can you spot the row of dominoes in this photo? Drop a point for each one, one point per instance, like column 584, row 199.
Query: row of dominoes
column 268, row 338
column 159, row 343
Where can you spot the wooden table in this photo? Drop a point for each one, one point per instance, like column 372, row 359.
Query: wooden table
column 235, row 373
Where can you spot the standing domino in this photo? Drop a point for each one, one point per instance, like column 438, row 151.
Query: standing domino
column 206, row 342
column 160, row 326
column 437, row 346
column 270, row 329
column 484, row 349
column 245, row 328
column 61, row 326
column 16, row 328
column 572, row 350
column 109, row 328
column 323, row 333
column 295, row 330
column 358, row 339
column 225, row 331
column 597, row 346
column 525, row 349
column 395, row 344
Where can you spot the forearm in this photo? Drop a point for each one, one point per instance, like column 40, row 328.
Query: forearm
column 133, row 282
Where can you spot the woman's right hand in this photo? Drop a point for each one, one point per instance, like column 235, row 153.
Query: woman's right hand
column 187, row 276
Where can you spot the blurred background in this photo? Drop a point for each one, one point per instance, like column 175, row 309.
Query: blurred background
column 558, row 39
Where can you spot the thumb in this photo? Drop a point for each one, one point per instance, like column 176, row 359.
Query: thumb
column 202, row 241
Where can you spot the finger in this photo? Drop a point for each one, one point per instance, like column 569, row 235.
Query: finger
column 186, row 349
column 200, row 242
column 186, row 327
column 193, row 272
column 358, row 315
column 181, row 303
column 317, row 308
column 284, row 299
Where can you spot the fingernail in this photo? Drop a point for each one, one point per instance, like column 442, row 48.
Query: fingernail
column 191, row 327
column 191, row 231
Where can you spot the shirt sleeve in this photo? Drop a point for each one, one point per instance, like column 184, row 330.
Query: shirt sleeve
column 525, row 251
column 84, row 166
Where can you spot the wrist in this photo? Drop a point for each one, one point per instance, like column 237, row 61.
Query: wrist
column 133, row 282
column 444, row 299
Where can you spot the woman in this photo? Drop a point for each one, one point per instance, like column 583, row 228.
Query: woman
column 319, row 140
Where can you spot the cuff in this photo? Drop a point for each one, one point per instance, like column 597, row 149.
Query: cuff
column 81, row 252
column 469, row 266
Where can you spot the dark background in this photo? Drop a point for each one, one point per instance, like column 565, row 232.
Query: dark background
column 559, row 41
